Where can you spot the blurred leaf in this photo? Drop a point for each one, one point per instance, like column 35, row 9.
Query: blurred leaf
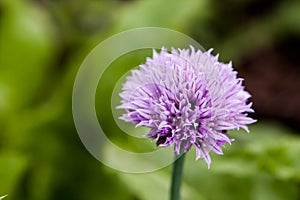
column 155, row 185
column 26, row 48
column 266, row 187
column 167, row 14
column 12, row 167
column 3, row 197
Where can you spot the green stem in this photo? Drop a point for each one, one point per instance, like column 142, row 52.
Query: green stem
column 176, row 178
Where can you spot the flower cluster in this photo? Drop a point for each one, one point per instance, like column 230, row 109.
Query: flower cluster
column 188, row 99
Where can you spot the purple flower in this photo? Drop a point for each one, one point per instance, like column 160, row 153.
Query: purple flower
column 188, row 99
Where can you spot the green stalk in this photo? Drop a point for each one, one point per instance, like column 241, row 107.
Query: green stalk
column 177, row 177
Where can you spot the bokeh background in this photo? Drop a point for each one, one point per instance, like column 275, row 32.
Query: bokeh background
column 42, row 44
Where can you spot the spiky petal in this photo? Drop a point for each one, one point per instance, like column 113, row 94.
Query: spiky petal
column 188, row 99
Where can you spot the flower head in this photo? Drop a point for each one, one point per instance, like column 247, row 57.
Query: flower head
column 188, row 99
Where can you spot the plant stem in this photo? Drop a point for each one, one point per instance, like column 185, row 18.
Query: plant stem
column 177, row 177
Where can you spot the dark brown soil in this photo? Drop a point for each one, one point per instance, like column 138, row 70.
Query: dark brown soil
column 273, row 78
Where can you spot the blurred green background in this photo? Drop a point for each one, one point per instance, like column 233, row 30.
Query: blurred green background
column 42, row 44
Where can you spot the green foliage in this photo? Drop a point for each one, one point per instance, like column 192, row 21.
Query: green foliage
column 42, row 44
